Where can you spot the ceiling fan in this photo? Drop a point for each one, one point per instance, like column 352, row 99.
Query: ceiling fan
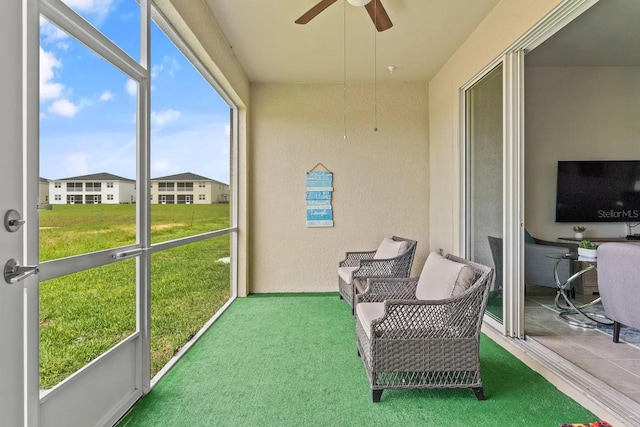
column 376, row 11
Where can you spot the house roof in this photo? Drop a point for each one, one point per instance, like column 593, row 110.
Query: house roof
column 187, row 176
column 102, row 176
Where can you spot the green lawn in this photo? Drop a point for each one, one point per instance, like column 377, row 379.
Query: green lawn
column 86, row 313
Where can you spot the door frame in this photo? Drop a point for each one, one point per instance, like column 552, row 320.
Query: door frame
column 24, row 394
column 513, row 159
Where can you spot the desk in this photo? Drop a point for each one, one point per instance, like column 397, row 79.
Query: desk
column 576, row 315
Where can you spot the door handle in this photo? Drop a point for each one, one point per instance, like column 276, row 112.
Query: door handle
column 13, row 221
column 14, row 272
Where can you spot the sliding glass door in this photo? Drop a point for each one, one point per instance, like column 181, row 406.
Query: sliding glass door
column 484, row 179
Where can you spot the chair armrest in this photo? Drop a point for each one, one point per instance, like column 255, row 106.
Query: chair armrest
column 538, row 267
column 379, row 290
column 573, row 247
column 455, row 318
column 352, row 259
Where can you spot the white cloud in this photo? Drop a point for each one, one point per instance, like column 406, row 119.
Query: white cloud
column 48, row 64
column 107, row 96
column 156, row 69
column 162, row 167
column 169, row 66
column 132, row 87
column 173, row 149
column 64, row 107
column 50, row 32
column 98, row 9
column 227, row 130
column 161, row 118
column 63, row 45
column 76, row 164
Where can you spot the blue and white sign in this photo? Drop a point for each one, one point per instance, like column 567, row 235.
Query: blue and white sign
column 318, row 196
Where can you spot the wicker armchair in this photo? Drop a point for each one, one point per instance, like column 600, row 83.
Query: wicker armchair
column 361, row 265
column 407, row 342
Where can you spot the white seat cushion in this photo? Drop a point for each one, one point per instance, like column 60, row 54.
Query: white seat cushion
column 389, row 248
column 368, row 312
column 442, row 278
column 346, row 273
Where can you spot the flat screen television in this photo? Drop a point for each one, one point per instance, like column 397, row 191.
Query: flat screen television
column 598, row 191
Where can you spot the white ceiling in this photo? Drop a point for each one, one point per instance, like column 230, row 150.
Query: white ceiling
column 272, row 48
column 608, row 34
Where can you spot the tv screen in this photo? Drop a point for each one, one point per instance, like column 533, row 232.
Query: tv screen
column 598, row 191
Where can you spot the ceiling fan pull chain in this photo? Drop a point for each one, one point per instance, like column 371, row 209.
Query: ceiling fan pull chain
column 344, row 71
column 375, row 67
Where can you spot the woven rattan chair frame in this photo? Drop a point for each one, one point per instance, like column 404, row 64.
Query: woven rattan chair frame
column 399, row 267
column 424, row 344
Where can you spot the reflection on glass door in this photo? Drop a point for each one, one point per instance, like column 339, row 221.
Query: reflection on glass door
column 484, row 162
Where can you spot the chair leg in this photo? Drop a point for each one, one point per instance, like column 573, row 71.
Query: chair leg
column 479, row 393
column 616, row 331
column 376, row 395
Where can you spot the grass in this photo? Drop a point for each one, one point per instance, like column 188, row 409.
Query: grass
column 290, row 360
column 84, row 314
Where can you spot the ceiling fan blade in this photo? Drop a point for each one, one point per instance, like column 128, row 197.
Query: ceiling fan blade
column 315, row 11
column 378, row 15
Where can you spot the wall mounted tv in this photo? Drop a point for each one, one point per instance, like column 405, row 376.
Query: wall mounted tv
column 598, row 191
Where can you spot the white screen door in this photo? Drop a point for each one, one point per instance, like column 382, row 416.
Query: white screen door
column 13, row 379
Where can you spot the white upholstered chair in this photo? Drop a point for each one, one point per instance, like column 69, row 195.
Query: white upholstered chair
column 619, row 284
column 393, row 258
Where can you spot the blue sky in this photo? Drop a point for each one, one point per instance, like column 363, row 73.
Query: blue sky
column 87, row 106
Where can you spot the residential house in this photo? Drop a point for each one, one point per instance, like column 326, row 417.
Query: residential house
column 43, row 191
column 92, row 189
column 188, row 188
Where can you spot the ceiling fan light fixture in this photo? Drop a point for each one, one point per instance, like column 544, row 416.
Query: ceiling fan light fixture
column 359, row 2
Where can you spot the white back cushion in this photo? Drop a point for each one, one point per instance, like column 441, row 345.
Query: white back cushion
column 389, row 248
column 442, row 278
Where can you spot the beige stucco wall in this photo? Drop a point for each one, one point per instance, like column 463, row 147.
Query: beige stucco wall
column 502, row 27
column 381, row 179
column 576, row 113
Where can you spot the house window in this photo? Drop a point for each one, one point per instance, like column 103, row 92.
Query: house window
column 202, row 184
column 57, row 185
column 57, row 197
column 74, row 186
column 185, row 186
column 165, row 186
column 109, row 184
column 92, row 186
column 202, row 197
column 109, row 196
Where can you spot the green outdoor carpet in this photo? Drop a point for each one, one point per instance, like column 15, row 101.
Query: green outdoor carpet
column 290, row 360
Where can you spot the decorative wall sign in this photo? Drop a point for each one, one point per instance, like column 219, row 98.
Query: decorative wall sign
column 318, row 195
